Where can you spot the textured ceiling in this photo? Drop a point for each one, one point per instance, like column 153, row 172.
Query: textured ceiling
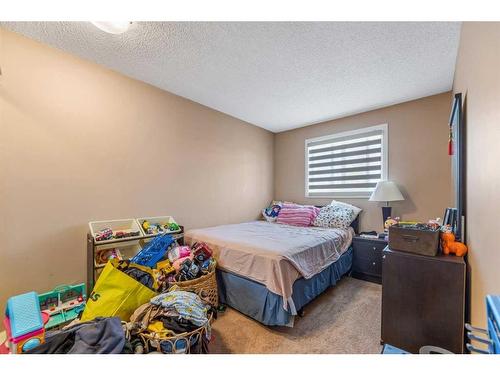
column 275, row 75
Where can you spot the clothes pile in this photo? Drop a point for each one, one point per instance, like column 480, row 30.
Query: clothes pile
column 155, row 326
column 137, row 306
column 99, row 336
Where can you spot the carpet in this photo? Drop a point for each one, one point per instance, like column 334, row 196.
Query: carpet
column 344, row 319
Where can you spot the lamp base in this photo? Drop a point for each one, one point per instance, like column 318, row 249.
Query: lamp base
column 386, row 212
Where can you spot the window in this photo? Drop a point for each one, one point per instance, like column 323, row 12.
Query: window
column 346, row 164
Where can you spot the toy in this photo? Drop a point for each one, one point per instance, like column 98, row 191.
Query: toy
column 390, row 222
column 165, row 267
column 450, row 246
column 201, row 252
column 205, row 266
column 103, row 256
column 178, row 263
column 178, row 252
column 122, row 234
column 173, row 227
column 63, row 304
column 189, row 270
column 24, row 323
column 154, row 251
column 103, row 235
column 434, row 223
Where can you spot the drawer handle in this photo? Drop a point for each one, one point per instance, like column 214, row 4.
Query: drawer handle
column 409, row 238
column 373, row 263
column 374, row 248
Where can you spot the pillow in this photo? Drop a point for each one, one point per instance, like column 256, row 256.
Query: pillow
column 294, row 214
column 356, row 210
column 271, row 213
column 336, row 215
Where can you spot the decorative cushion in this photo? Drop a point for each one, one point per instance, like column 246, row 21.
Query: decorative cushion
column 356, row 210
column 271, row 213
column 336, row 215
column 298, row 215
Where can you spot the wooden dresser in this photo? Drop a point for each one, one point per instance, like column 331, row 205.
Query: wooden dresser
column 423, row 301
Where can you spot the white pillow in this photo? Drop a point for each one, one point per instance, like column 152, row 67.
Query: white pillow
column 356, row 210
column 336, row 215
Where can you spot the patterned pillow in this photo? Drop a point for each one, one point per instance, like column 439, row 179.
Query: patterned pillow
column 336, row 215
column 356, row 210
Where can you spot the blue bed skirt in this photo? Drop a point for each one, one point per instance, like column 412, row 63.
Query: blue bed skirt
column 256, row 301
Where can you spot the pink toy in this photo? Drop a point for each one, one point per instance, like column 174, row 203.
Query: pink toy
column 25, row 342
column 178, row 253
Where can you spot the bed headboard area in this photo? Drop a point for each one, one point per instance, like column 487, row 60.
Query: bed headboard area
column 354, row 224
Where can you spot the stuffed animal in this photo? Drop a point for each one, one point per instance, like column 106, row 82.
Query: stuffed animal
column 390, row 222
column 450, row 246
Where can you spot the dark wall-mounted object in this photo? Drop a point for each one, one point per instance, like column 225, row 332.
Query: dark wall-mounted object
column 457, row 130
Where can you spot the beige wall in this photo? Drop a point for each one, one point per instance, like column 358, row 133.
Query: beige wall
column 418, row 159
column 477, row 77
column 80, row 142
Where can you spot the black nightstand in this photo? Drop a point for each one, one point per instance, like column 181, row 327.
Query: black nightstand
column 367, row 258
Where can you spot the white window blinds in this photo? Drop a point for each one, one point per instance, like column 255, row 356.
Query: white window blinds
column 346, row 164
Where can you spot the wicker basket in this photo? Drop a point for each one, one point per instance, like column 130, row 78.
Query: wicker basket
column 178, row 344
column 205, row 286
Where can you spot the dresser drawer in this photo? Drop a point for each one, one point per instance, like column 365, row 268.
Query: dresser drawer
column 369, row 247
column 371, row 265
column 367, row 259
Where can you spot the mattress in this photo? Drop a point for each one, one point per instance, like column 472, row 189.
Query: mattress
column 256, row 301
column 275, row 255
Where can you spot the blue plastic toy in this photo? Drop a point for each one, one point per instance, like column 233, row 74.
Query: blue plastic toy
column 154, row 251
column 24, row 314
column 489, row 336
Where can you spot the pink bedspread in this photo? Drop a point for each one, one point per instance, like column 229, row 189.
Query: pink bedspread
column 274, row 254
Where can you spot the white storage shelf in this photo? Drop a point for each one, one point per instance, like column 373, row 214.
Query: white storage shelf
column 129, row 246
column 121, row 225
column 156, row 220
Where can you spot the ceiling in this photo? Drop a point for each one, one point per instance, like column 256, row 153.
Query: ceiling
column 276, row 75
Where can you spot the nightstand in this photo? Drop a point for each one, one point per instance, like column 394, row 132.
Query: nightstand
column 367, row 258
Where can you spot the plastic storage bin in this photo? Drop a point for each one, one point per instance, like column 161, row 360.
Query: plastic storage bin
column 159, row 220
column 121, row 225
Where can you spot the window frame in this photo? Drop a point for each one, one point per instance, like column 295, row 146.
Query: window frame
column 384, row 162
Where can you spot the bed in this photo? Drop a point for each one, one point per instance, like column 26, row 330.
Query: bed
column 270, row 271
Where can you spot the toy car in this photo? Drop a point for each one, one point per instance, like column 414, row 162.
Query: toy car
column 201, row 252
column 172, row 227
column 105, row 234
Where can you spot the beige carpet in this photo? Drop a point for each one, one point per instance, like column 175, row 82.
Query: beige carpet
column 344, row 319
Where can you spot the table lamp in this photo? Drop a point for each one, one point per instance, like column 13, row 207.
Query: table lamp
column 386, row 191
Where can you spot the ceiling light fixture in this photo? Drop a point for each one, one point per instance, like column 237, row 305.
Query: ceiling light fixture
column 113, row 27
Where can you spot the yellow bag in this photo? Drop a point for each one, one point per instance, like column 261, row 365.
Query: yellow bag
column 115, row 294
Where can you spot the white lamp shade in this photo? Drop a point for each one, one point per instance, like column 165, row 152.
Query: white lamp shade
column 386, row 191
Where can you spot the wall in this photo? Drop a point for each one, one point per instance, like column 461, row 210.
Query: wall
column 418, row 159
column 477, row 76
column 80, row 143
